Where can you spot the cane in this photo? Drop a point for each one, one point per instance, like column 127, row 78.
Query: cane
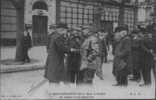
column 154, row 69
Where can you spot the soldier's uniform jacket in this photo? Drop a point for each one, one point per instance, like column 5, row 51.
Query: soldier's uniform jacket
column 121, row 56
column 90, row 53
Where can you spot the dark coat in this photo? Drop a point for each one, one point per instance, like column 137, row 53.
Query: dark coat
column 121, row 57
column 54, row 69
column 103, row 48
column 147, row 61
column 74, row 58
column 154, row 42
column 27, row 42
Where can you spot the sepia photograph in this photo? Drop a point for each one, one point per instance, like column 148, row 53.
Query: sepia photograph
column 77, row 49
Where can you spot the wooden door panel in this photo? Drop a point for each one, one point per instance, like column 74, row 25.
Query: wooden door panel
column 40, row 24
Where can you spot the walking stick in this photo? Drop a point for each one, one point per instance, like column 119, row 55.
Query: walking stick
column 154, row 69
column 33, row 88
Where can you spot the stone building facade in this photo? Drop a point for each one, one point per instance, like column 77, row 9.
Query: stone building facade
column 146, row 12
column 39, row 14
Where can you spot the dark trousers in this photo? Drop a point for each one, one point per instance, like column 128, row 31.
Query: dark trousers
column 86, row 75
column 121, row 78
column 105, row 58
column 146, row 73
column 147, row 64
column 154, row 70
column 26, row 57
column 136, row 71
column 136, row 74
column 73, row 76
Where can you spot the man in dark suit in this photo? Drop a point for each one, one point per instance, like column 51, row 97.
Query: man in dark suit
column 154, row 47
column 148, row 56
column 27, row 44
column 137, row 53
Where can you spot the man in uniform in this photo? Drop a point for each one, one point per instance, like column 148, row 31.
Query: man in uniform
column 121, row 57
column 54, row 68
column 74, row 57
column 148, row 57
column 136, row 55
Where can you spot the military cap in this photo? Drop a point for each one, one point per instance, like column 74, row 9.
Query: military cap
column 121, row 28
column 52, row 26
column 62, row 25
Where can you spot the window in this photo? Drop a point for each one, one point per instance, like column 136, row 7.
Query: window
column 77, row 14
column 129, row 18
column 8, row 18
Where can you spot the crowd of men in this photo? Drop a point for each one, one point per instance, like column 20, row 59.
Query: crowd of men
column 76, row 55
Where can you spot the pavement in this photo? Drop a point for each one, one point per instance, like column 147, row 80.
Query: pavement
column 17, row 86
column 37, row 55
column 30, row 85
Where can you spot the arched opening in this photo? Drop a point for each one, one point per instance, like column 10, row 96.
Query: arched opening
column 39, row 23
column 40, row 5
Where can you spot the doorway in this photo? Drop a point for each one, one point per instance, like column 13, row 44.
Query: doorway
column 39, row 23
column 39, row 29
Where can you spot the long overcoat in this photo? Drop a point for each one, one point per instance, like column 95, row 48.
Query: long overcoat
column 54, row 69
column 121, row 57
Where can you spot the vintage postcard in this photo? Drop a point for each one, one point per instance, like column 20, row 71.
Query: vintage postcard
column 78, row 49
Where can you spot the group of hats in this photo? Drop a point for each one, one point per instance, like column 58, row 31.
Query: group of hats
column 121, row 28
